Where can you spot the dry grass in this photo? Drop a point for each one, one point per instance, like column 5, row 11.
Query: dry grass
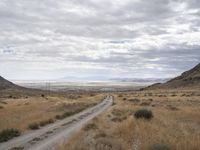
column 20, row 113
column 175, row 125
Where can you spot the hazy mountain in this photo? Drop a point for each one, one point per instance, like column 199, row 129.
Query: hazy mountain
column 141, row 80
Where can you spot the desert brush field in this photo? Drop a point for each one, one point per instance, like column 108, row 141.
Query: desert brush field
column 144, row 120
column 29, row 113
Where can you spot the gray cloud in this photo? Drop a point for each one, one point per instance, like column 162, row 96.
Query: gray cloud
column 130, row 38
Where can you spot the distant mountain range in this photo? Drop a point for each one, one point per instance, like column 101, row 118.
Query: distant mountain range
column 141, row 80
column 188, row 79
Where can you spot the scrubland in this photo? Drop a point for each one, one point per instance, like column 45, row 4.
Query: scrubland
column 174, row 125
column 25, row 113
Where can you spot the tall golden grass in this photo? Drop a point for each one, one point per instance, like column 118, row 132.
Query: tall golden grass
column 175, row 125
column 20, row 113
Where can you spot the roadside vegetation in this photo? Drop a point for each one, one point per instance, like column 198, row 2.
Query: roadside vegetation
column 43, row 110
column 8, row 134
column 34, row 126
column 70, row 113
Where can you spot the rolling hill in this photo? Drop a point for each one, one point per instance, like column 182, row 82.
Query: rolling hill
column 9, row 89
column 188, row 79
column 5, row 84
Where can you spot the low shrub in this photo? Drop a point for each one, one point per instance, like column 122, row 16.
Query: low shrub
column 58, row 117
column 8, row 134
column 170, row 107
column 143, row 113
column 135, row 100
column 45, row 122
column 33, row 126
column 145, row 103
column 90, row 126
column 173, row 95
column 3, row 102
column 124, row 98
column 159, row 147
column 118, row 119
column 120, row 95
column 92, row 95
column 69, row 113
column 10, row 96
column 17, row 148
column 113, row 104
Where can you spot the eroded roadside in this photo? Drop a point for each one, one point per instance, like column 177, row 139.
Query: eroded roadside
column 49, row 137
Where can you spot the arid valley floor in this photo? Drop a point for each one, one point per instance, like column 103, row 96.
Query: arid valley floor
column 175, row 124
column 158, row 117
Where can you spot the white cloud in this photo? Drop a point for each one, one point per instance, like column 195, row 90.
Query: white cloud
column 130, row 38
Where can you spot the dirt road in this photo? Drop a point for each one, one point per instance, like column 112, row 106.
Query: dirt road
column 49, row 137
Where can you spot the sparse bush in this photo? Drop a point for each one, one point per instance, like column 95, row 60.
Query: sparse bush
column 145, row 103
column 17, row 148
column 120, row 95
column 118, row 119
column 8, row 134
column 124, row 98
column 116, row 112
column 159, row 147
column 150, row 94
column 79, row 96
column 183, row 95
column 173, row 95
column 45, row 122
column 143, row 113
column 92, row 95
column 170, row 107
column 90, row 126
column 69, row 113
column 113, row 104
column 135, row 100
column 3, row 102
column 58, row 117
column 42, row 95
column 34, row 126
column 100, row 135
column 1, row 107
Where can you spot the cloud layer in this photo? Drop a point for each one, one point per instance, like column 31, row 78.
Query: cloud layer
column 51, row 39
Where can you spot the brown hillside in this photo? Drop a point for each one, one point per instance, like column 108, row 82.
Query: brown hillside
column 5, row 84
column 9, row 89
column 188, row 79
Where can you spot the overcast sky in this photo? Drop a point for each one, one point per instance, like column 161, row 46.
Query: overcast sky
column 49, row 39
